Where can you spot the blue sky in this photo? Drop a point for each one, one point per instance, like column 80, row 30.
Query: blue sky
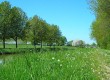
column 72, row 16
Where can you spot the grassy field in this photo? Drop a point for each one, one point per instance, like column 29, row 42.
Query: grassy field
column 30, row 46
column 19, row 46
column 76, row 64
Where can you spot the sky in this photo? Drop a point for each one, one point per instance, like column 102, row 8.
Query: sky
column 73, row 17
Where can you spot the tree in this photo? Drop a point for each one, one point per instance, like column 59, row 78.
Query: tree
column 5, row 8
column 101, row 26
column 34, row 30
column 49, row 39
column 62, row 41
column 26, row 32
column 81, row 43
column 54, row 35
column 93, row 45
column 42, row 31
column 69, row 43
column 18, row 20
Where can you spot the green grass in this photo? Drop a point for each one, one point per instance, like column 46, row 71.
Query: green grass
column 19, row 46
column 77, row 64
column 22, row 48
column 31, row 46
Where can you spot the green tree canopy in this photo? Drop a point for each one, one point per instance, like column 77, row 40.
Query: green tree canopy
column 15, row 24
column 5, row 10
column 101, row 26
column 18, row 20
column 41, row 31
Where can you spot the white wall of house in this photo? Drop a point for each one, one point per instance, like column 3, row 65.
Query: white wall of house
column 77, row 42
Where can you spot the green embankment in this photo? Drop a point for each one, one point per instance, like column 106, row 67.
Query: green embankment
column 77, row 64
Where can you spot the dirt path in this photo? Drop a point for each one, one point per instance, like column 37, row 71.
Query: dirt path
column 106, row 73
column 103, row 68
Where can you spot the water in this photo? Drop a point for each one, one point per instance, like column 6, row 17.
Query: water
column 1, row 61
column 5, row 58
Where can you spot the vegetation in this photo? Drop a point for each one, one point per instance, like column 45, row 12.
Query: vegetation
column 101, row 26
column 77, row 64
column 5, row 8
column 69, row 43
column 15, row 24
column 47, row 58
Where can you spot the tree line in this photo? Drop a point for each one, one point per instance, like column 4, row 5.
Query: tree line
column 15, row 24
column 101, row 26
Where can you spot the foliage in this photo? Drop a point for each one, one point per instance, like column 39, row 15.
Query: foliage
column 69, row 43
column 101, row 26
column 13, row 20
column 43, row 32
column 18, row 21
column 62, row 41
column 5, row 8
column 26, row 32
column 15, row 24
column 78, row 64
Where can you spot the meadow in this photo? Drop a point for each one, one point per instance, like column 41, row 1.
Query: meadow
column 71, row 64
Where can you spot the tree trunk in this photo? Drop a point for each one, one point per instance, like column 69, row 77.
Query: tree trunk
column 34, row 43
column 4, row 35
column 34, row 39
column 54, row 44
column 41, row 41
column 3, row 41
column 16, row 42
column 41, row 44
column 50, row 45
column 26, row 43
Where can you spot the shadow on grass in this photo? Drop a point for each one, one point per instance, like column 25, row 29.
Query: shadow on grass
column 31, row 50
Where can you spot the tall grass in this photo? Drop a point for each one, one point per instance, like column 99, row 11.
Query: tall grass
column 78, row 64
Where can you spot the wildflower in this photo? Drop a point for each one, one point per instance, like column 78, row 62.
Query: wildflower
column 53, row 58
column 58, row 60
column 30, row 50
column 98, row 72
column 60, row 65
column 93, row 70
column 67, row 55
column 73, row 58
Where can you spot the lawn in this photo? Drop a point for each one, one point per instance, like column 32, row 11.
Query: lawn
column 76, row 64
